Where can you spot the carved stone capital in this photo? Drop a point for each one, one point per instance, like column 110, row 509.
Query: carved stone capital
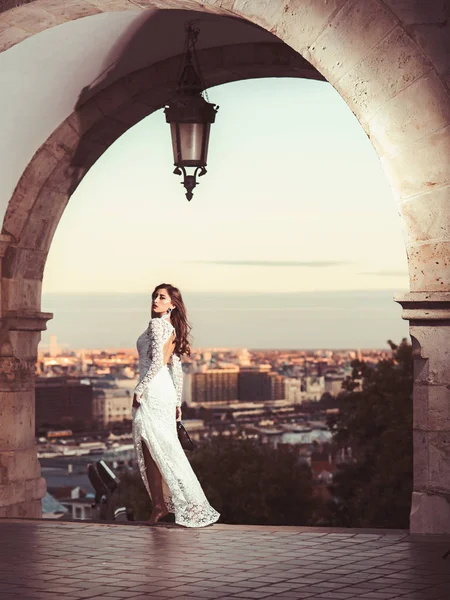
column 425, row 306
column 22, row 320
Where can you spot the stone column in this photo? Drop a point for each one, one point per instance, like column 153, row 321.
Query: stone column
column 429, row 317
column 21, row 485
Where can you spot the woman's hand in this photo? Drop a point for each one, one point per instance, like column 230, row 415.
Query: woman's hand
column 136, row 403
column 178, row 413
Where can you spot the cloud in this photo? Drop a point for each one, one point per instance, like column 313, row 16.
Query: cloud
column 386, row 273
column 274, row 263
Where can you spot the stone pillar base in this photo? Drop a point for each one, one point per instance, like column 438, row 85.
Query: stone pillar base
column 429, row 513
column 24, row 510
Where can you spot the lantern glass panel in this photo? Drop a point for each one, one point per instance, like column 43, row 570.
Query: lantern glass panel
column 187, row 141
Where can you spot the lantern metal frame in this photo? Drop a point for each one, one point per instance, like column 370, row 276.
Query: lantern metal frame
column 190, row 107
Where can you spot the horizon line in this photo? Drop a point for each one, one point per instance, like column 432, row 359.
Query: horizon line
column 225, row 292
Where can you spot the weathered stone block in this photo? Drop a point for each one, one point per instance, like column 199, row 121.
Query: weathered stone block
column 429, row 266
column 422, row 166
column 11, row 36
column 417, row 111
column 40, row 167
column 22, row 510
column 49, row 204
column 300, row 23
column 37, row 234
column 421, row 460
column 85, row 116
column 21, row 294
column 435, row 41
column 434, row 342
column 33, row 19
column 131, row 113
column 22, row 492
column 338, row 49
column 418, row 11
column 64, row 177
column 16, row 408
column 23, row 263
column 138, row 81
column 432, row 407
column 69, row 11
column 439, row 462
column 106, row 132
column 429, row 514
column 19, row 465
column 389, row 68
column 63, row 140
column 20, row 206
column 426, row 217
column 109, row 99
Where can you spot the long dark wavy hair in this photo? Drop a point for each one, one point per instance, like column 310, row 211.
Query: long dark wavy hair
column 178, row 318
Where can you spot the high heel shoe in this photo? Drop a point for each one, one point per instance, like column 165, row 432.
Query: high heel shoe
column 157, row 513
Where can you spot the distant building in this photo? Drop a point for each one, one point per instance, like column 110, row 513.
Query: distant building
column 54, row 350
column 244, row 357
column 214, row 385
column 293, row 390
column 61, row 400
column 258, row 383
column 313, row 387
column 333, row 383
column 112, row 406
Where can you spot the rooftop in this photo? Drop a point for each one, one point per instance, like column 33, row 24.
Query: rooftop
column 76, row 560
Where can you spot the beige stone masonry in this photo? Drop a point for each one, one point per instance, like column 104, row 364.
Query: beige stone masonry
column 376, row 80
column 337, row 51
column 430, row 158
column 429, row 266
column 417, row 111
column 23, row 294
column 17, row 465
column 426, row 217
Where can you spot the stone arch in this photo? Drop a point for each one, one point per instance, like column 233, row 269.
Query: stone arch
column 388, row 59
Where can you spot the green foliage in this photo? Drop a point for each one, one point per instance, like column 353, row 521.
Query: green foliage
column 253, row 483
column 375, row 424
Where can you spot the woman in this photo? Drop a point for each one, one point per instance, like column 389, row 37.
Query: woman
column 165, row 470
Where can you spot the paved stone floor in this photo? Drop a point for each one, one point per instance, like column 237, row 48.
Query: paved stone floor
column 52, row 560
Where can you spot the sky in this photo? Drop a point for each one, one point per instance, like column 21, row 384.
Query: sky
column 295, row 200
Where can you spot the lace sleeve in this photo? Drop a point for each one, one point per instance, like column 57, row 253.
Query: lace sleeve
column 157, row 352
column 177, row 376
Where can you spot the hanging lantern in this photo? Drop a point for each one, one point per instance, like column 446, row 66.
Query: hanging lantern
column 190, row 117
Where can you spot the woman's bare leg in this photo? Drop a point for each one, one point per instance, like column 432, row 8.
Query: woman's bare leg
column 154, row 478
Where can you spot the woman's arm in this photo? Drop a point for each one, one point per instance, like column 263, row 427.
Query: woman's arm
column 157, row 350
column 177, row 376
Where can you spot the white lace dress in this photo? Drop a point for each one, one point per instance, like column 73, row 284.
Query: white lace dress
column 154, row 423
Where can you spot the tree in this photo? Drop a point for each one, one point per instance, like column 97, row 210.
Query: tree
column 253, row 483
column 374, row 425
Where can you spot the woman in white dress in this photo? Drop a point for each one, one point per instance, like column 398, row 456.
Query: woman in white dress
column 165, row 469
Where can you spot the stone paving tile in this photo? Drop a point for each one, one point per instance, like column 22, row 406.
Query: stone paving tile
column 42, row 560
